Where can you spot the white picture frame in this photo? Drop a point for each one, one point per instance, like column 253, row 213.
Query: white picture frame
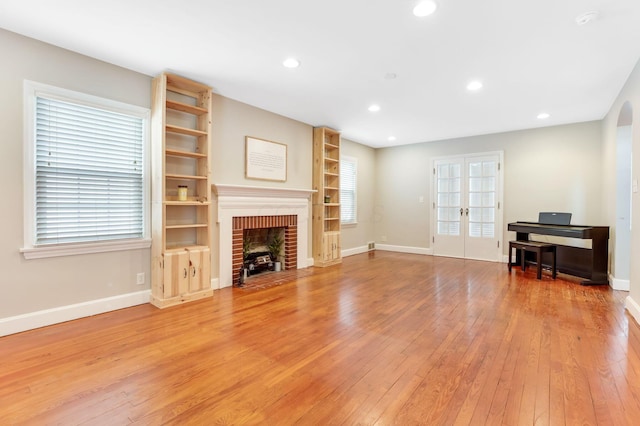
column 265, row 160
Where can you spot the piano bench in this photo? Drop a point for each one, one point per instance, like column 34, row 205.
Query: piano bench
column 538, row 248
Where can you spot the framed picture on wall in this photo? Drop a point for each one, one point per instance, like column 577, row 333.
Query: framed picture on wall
column 265, row 160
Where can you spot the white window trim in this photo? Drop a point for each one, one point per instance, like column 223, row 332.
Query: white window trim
column 32, row 251
column 355, row 205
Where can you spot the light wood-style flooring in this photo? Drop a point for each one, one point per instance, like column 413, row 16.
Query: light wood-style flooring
column 384, row 338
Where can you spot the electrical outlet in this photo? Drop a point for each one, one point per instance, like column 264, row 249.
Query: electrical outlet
column 140, row 278
column 383, row 238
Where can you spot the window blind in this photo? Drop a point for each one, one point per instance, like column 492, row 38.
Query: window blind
column 348, row 185
column 89, row 173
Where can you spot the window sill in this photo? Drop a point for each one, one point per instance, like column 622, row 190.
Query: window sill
column 349, row 224
column 83, row 248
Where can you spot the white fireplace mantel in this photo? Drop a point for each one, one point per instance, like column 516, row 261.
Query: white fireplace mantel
column 239, row 200
column 223, row 190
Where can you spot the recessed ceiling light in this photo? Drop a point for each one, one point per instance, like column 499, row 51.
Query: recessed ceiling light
column 374, row 108
column 291, row 63
column 586, row 17
column 543, row 116
column 391, row 138
column 474, row 85
column 425, row 8
column 390, row 76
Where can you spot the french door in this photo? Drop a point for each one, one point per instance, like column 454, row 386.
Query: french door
column 467, row 219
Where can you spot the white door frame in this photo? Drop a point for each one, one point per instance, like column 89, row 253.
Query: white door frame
column 499, row 256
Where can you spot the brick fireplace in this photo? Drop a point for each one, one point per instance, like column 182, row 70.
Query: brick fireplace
column 246, row 207
column 288, row 222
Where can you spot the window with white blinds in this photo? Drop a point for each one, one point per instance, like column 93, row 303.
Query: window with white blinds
column 348, row 189
column 88, row 169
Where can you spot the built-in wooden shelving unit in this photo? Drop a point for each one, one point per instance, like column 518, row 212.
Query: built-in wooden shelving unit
column 181, row 223
column 326, row 201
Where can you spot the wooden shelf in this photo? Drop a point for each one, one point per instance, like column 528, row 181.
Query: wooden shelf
column 331, row 160
column 184, row 130
column 192, row 225
column 180, row 249
column 179, row 84
column 189, row 109
column 186, row 203
column 184, row 177
column 186, row 154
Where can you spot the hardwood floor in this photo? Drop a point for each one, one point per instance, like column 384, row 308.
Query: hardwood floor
column 384, row 338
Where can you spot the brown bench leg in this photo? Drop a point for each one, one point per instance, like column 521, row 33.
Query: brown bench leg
column 539, row 251
column 539, row 263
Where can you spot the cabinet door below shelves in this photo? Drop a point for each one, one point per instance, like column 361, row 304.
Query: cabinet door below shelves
column 200, row 262
column 176, row 273
column 331, row 243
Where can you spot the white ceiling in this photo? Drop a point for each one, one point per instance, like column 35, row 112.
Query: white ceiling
column 530, row 55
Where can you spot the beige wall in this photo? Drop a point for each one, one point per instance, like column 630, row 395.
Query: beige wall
column 233, row 120
column 550, row 169
column 629, row 93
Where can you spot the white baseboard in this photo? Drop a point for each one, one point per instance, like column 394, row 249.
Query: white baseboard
column 310, row 262
column 633, row 308
column 215, row 283
column 19, row 323
column 404, row 249
column 618, row 284
column 355, row 250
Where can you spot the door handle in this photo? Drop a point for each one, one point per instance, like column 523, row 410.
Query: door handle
column 467, row 211
column 460, row 211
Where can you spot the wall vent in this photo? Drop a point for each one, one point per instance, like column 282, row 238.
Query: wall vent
column 372, row 246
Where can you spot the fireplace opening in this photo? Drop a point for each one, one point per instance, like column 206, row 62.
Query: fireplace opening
column 263, row 249
column 252, row 237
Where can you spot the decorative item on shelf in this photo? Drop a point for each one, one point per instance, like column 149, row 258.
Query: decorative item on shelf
column 182, row 192
column 327, row 199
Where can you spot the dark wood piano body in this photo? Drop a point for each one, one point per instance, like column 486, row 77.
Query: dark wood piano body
column 591, row 264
